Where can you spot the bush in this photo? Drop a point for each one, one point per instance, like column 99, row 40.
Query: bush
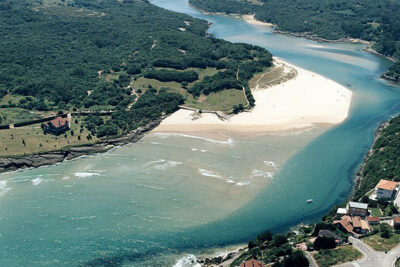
column 324, row 243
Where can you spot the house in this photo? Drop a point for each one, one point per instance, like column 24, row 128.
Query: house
column 252, row 263
column 357, row 209
column 57, row 126
column 396, row 222
column 364, row 227
column 353, row 225
column 302, row 246
column 345, row 224
column 373, row 220
column 327, row 233
column 386, row 189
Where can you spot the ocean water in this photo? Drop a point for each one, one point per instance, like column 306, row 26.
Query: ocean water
column 168, row 197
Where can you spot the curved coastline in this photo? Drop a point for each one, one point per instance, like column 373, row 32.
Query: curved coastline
column 301, row 102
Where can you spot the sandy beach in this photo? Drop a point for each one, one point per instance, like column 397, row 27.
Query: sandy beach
column 303, row 101
column 250, row 19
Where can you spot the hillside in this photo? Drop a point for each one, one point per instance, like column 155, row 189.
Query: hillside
column 376, row 21
column 383, row 163
column 129, row 57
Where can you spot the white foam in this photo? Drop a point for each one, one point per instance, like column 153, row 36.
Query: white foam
column 37, row 181
column 229, row 141
column 65, row 178
column 188, row 260
column 86, row 174
column 163, row 164
column 242, row 183
column 3, row 187
column 194, row 149
column 209, row 173
column 260, row 173
column 270, row 163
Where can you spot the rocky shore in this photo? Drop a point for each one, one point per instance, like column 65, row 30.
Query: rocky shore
column 49, row 158
column 360, row 174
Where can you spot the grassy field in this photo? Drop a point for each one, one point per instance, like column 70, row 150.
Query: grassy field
column 16, row 115
column 375, row 212
column 223, row 100
column 11, row 140
column 382, row 244
column 332, row 257
column 270, row 77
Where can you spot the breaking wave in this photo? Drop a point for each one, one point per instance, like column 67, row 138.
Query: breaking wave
column 163, row 164
column 3, row 187
column 229, row 141
column 188, row 260
column 37, row 181
column 260, row 173
column 86, row 174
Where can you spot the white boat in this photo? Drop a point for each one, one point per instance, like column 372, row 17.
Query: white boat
column 309, row 201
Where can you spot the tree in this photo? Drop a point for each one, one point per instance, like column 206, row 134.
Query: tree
column 323, row 242
column 279, row 240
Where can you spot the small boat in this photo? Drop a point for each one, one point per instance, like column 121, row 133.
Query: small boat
column 309, row 201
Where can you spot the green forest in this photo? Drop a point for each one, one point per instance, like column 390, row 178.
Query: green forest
column 87, row 54
column 384, row 163
column 371, row 20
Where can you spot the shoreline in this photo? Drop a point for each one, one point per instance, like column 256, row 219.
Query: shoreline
column 15, row 163
column 306, row 100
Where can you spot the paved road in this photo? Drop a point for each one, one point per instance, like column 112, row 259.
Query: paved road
column 371, row 257
column 311, row 260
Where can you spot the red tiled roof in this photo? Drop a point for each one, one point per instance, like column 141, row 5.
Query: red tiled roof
column 396, row 219
column 373, row 219
column 252, row 263
column 386, row 185
column 356, row 222
column 59, row 121
column 346, row 223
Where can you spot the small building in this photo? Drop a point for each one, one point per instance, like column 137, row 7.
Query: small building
column 373, row 220
column 386, row 189
column 341, row 211
column 396, row 222
column 330, row 234
column 302, row 246
column 57, row 126
column 356, row 221
column 358, row 209
column 252, row 263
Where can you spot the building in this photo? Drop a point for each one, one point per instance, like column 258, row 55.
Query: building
column 57, row 126
column 341, row 211
column 252, row 263
column 396, row 222
column 373, row 220
column 357, row 209
column 345, row 224
column 386, row 189
column 330, row 234
column 356, row 221
column 364, row 227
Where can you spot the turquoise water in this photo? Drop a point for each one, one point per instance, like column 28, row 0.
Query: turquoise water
column 171, row 194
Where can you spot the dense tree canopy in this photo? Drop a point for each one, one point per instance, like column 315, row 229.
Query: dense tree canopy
column 75, row 54
column 370, row 20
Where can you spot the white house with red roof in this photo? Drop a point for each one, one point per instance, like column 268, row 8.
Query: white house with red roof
column 386, row 189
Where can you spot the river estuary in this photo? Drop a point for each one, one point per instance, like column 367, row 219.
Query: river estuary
column 152, row 202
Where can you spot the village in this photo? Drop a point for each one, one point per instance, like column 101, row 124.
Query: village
column 362, row 233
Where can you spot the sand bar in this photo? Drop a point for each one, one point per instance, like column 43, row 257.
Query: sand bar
column 250, row 19
column 304, row 101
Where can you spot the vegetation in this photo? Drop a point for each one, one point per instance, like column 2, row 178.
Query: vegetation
column 130, row 57
column 385, row 240
column 377, row 21
column 31, row 139
column 385, row 160
column 336, row 256
column 270, row 248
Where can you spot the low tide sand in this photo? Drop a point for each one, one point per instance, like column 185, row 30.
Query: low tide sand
column 304, row 101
